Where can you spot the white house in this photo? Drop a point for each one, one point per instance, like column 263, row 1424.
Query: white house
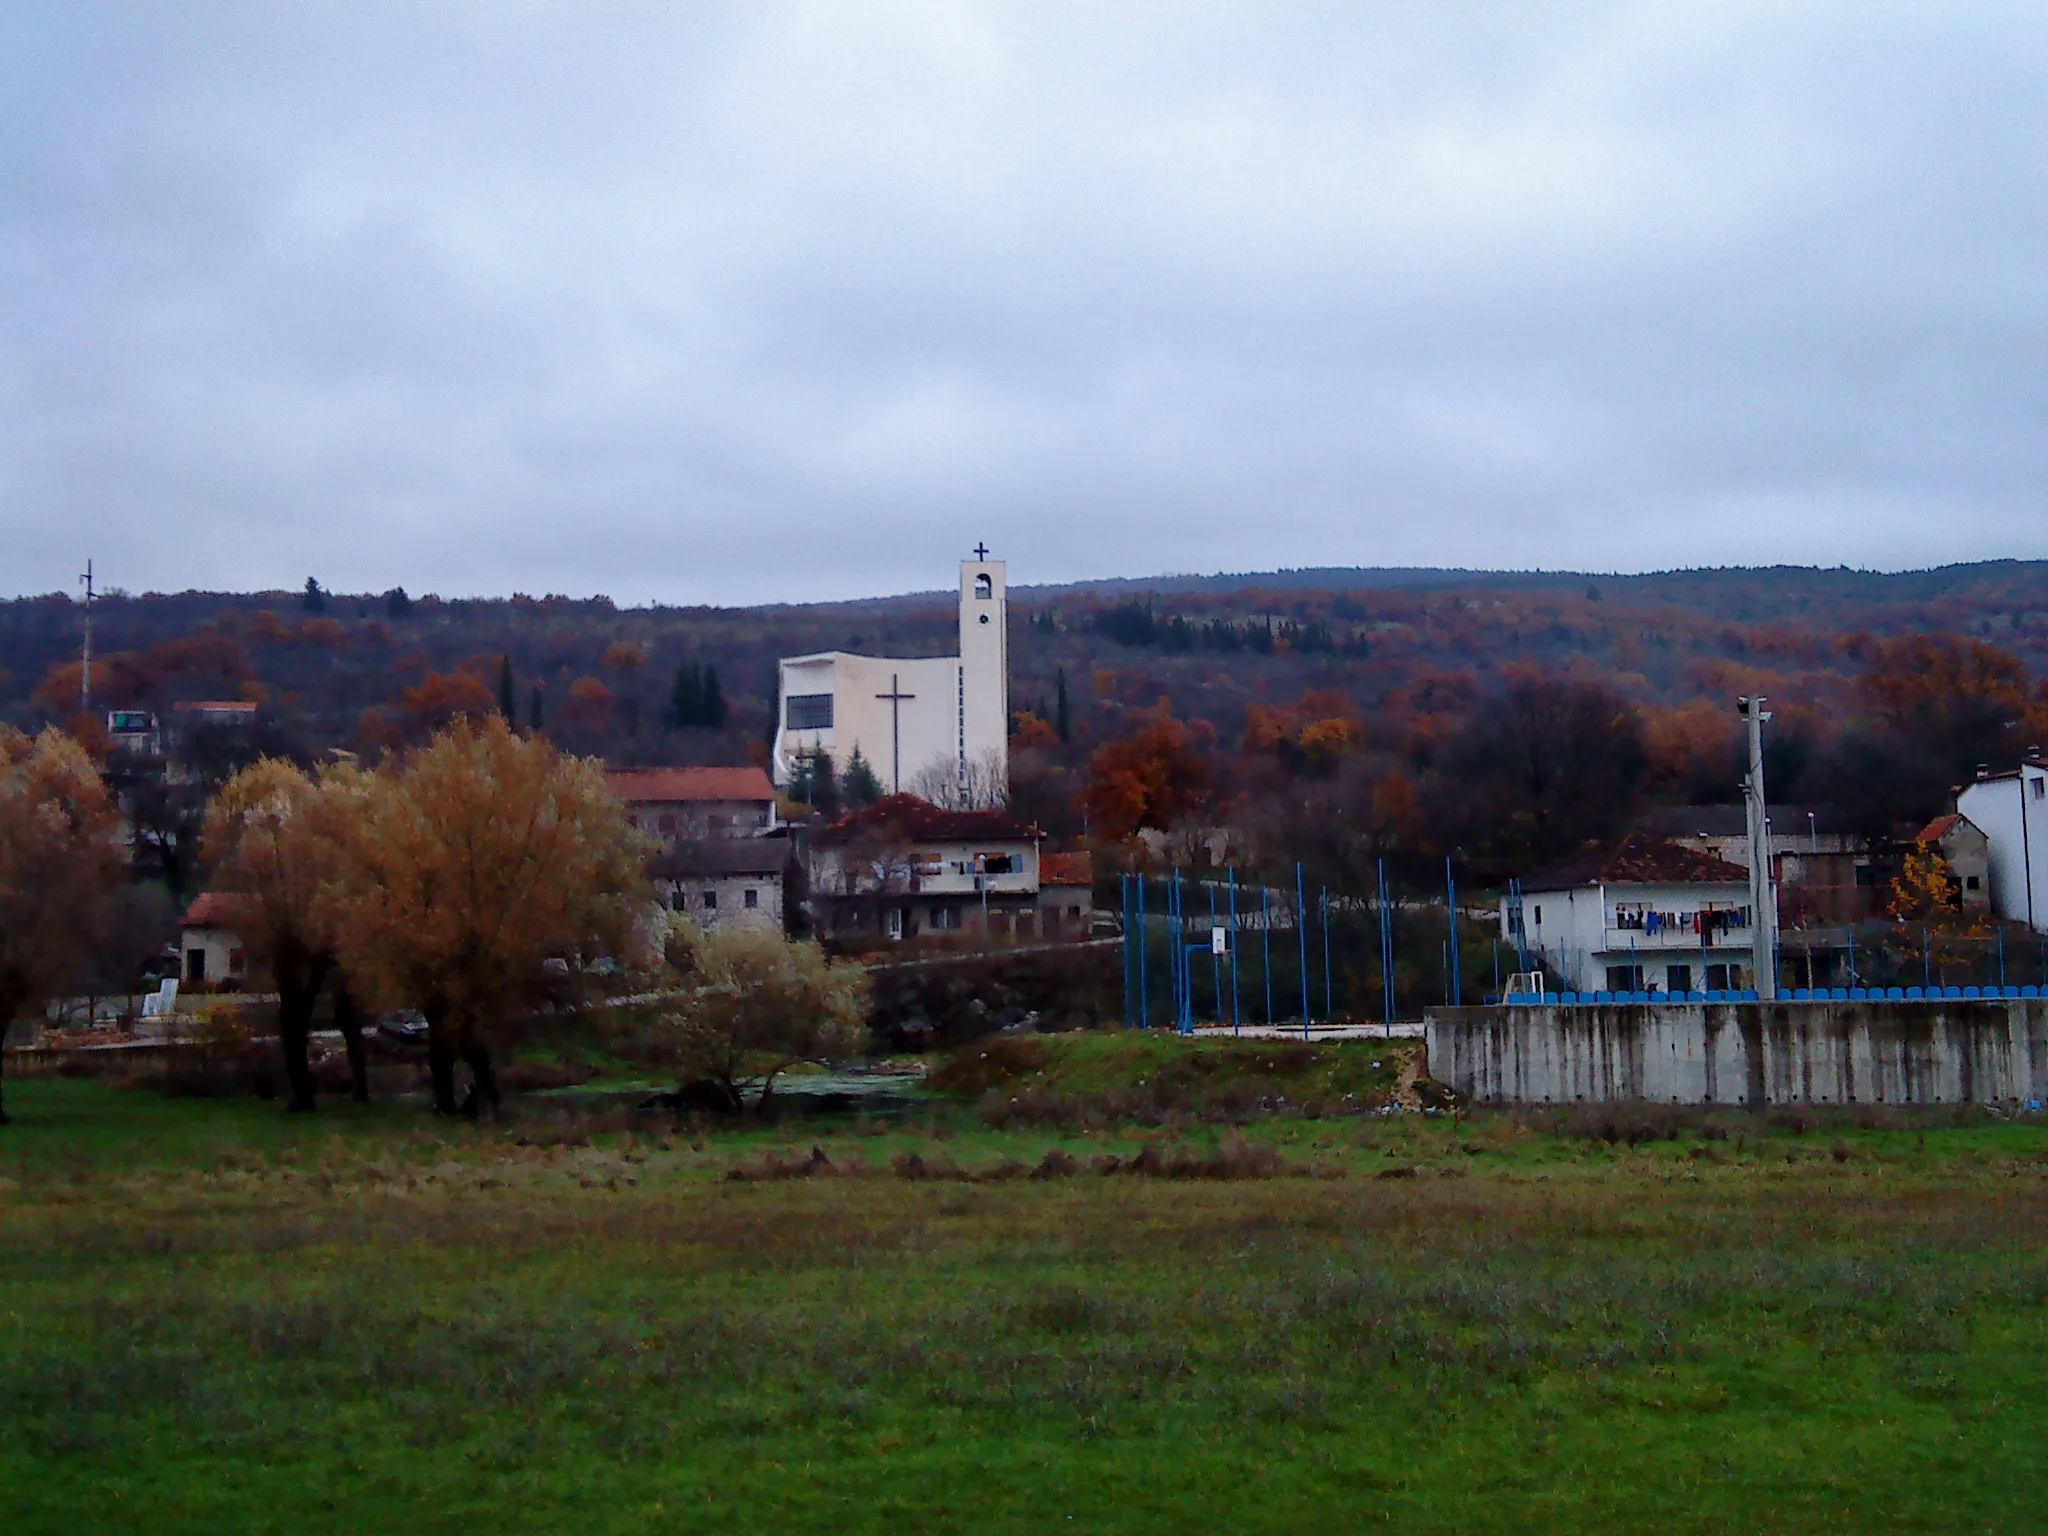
column 2011, row 809
column 209, row 948
column 902, row 867
column 725, row 883
column 917, row 721
column 1646, row 915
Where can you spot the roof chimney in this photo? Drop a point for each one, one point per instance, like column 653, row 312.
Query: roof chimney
column 1983, row 770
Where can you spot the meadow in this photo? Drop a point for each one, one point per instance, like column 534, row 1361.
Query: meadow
column 215, row 1317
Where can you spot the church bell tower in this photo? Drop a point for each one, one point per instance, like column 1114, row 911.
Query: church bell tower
column 984, row 704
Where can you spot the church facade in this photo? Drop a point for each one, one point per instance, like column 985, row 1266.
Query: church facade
column 933, row 726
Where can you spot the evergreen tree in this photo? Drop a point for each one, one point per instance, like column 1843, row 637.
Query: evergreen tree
column 860, row 785
column 315, row 600
column 696, row 702
column 508, row 704
column 535, row 715
column 714, row 699
column 685, row 699
column 816, row 784
column 1062, row 721
column 396, row 604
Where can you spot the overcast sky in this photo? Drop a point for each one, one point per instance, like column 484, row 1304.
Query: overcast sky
column 783, row 302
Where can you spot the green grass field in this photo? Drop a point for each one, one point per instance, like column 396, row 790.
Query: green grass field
column 216, row 1318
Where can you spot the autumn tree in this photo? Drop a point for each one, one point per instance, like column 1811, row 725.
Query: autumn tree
column 1151, row 778
column 481, row 857
column 757, row 1004
column 60, row 860
column 280, row 843
column 1935, row 707
column 1541, row 768
column 1925, row 888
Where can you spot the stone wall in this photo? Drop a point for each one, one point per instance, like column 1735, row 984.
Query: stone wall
column 1934, row 1052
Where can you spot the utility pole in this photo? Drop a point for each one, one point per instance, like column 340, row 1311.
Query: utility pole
column 1763, row 903
column 85, row 672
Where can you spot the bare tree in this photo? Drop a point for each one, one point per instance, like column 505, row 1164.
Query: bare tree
column 60, row 860
column 978, row 784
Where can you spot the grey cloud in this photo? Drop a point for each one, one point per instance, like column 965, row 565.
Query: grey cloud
column 797, row 301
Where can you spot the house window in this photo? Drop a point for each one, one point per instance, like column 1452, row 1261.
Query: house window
column 677, row 901
column 892, row 922
column 1624, row 978
column 1539, row 917
column 711, row 901
column 2040, row 788
column 984, row 588
column 1970, row 882
column 997, row 864
column 1718, row 977
column 195, row 965
column 945, row 919
column 752, row 899
column 1678, row 978
column 808, row 712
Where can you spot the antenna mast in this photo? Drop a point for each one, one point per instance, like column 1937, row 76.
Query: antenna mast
column 85, row 672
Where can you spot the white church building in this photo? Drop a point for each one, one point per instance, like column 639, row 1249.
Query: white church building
column 933, row 726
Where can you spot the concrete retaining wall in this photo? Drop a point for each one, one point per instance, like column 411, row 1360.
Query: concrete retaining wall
column 1934, row 1052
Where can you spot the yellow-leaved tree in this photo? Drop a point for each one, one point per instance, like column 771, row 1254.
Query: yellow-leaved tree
column 757, row 1004
column 280, row 844
column 60, row 861
column 475, row 861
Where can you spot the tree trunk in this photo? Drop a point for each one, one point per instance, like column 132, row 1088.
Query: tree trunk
column 441, row 1059
column 349, row 1020
column 484, row 1099
column 11, row 1000
column 298, row 992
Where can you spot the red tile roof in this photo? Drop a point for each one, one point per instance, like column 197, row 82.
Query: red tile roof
column 211, row 910
column 1066, row 869
column 1638, row 860
column 661, row 786
column 909, row 819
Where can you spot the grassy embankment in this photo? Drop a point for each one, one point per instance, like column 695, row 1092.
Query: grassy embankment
column 216, row 1318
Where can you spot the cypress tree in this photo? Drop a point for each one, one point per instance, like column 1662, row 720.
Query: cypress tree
column 860, row 785
column 1061, row 720
column 534, row 714
column 714, row 698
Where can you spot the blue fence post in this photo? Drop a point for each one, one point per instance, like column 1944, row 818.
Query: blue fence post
column 1215, row 960
column 1301, row 936
column 1451, row 905
column 1266, row 942
column 1236, row 1022
column 1123, row 886
column 1329, row 985
column 1144, row 986
column 1386, row 955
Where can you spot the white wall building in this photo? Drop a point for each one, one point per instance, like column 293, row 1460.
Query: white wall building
column 1647, row 916
column 2011, row 809
column 915, row 720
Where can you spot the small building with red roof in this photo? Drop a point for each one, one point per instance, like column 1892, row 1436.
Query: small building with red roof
column 681, row 805
column 1963, row 844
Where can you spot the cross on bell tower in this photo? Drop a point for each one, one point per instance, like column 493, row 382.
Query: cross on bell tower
column 981, row 551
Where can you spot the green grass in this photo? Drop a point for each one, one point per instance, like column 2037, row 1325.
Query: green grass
column 214, row 1317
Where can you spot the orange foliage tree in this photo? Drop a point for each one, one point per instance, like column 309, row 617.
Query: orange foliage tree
column 442, row 697
column 60, row 861
column 279, row 842
column 481, row 857
column 1151, row 778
